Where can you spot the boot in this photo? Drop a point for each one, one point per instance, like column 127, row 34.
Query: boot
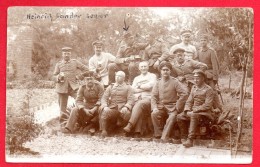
column 128, row 128
column 188, row 143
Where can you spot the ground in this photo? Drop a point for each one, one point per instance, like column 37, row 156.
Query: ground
column 52, row 142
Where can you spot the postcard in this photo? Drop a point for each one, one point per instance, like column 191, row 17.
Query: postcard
column 129, row 85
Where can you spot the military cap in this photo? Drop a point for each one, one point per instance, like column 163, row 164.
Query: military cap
column 199, row 72
column 185, row 32
column 66, row 48
column 204, row 36
column 178, row 49
column 97, row 43
column 165, row 64
column 127, row 35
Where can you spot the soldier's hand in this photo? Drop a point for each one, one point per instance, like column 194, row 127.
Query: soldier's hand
column 156, row 64
column 88, row 112
column 106, row 109
column 124, row 110
column 155, row 110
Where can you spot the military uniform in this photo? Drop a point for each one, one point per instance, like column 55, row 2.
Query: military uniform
column 186, row 68
column 130, row 68
column 199, row 104
column 116, row 97
column 169, row 98
column 87, row 97
column 67, row 86
column 154, row 52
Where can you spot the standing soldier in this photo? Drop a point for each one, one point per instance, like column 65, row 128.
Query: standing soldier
column 100, row 61
column 128, row 52
column 190, row 50
column 208, row 56
column 87, row 105
column 167, row 100
column 116, row 104
column 66, row 79
column 155, row 52
column 198, row 105
column 141, row 112
column 183, row 68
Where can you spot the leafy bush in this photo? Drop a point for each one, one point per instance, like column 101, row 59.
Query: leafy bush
column 20, row 125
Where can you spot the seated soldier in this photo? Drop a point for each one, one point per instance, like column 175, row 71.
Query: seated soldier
column 116, row 103
column 183, row 68
column 87, row 105
column 100, row 61
column 167, row 100
column 142, row 87
column 198, row 105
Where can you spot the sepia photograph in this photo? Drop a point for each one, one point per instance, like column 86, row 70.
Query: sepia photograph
column 129, row 85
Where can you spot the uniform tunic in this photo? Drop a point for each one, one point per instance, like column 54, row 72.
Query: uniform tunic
column 209, row 57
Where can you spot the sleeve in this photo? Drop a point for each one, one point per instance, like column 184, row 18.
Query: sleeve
column 100, row 94
column 199, row 65
column 80, row 98
column 111, row 58
column 155, row 96
column 208, row 101
column 195, row 54
column 56, row 73
column 120, row 55
column 130, row 98
column 81, row 66
column 215, row 64
column 105, row 97
column 165, row 53
column 91, row 64
column 183, row 95
column 189, row 103
column 146, row 55
column 141, row 46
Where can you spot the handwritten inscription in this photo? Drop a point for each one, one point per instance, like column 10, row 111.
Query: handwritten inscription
column 72, row 15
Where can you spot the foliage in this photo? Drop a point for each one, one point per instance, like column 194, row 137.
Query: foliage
column 20, row 125
column 227, row 27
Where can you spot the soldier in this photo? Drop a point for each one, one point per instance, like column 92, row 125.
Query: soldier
column 116, row 104
column 183, row 68
column 155, row 52
column 66, row 79
column 198, row 106
column 167, row 100
column 87, row 105
column 142, row 86
column 208, row 56
column 100, row 61
column 128, row 52
column 190, row 50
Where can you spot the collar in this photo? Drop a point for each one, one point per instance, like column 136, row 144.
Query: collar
column 202, row 87
column 119, row 85
column 204, row 49
column 63, row 61
column 179, row 65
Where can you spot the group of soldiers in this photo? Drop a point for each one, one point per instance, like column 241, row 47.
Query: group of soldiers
column 154, row 92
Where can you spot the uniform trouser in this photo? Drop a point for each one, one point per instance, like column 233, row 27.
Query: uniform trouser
column 188, row 123
column 131, row 72
column 160, row 127
column 80, row 117
column 109, row 118
column 63, row 101
column 140, row 113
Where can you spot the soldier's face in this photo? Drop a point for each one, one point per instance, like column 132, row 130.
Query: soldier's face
column 186, row 39
column 98, row 50
column 143, row 67
column 180, row 57
column 165, row 72
column 89, row 81
column 199, row 80
column 66, row 55
column 203, row 42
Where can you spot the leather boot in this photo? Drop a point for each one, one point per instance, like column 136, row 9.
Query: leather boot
column 188, row 143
